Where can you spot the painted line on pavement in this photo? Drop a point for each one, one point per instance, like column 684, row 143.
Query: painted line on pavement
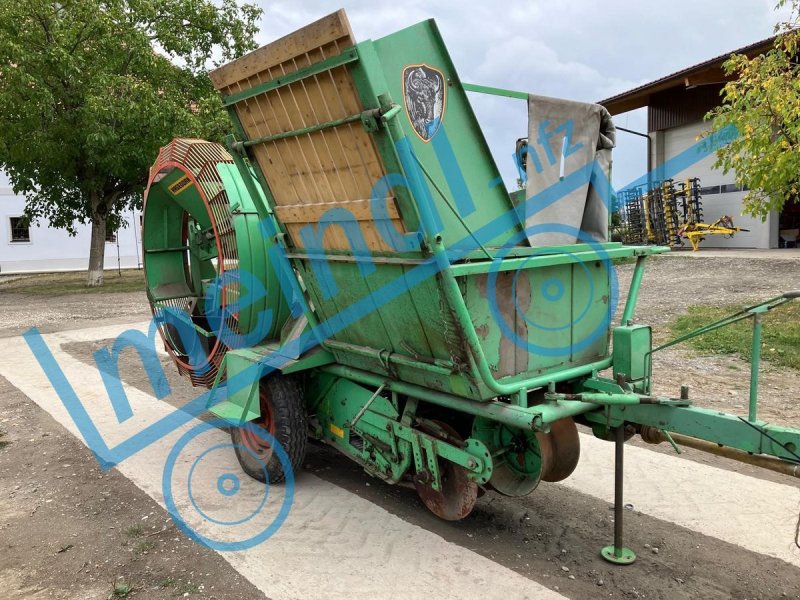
column 334, row 543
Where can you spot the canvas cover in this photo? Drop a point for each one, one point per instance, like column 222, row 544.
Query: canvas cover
column 569, row 146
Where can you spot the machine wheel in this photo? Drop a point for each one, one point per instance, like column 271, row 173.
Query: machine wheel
column 457, row 496
column 517, row 470
column 561, row 449
column 283, row 416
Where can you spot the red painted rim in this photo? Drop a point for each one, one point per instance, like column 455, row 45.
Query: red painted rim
column 251, row 439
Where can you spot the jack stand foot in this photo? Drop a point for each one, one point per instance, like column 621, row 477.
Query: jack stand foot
column 617, row 553
column 618, row 556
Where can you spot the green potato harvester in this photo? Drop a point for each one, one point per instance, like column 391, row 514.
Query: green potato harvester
column 350, row 268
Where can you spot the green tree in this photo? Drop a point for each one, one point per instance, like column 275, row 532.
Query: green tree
column 763, row 102
column 90, row 89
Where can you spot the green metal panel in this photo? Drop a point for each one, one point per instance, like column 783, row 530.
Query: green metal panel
column 412, row 336
column 590, row 320
column 253, row 247
column 471, row 171
column 542, row 332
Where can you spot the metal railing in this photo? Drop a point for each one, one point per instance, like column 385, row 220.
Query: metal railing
column 754, row 312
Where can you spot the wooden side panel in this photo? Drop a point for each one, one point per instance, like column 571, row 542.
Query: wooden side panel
column 332, row 168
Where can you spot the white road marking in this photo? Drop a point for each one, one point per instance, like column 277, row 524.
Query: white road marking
column 334, row 544
column 337, row 544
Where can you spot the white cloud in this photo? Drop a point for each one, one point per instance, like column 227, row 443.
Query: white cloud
column 582, row 49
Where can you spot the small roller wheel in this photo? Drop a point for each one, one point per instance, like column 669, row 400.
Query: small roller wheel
column 283, row 417
column 561, row 449
column 458, row 493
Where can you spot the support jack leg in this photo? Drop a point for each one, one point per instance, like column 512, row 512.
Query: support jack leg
column 618, row 554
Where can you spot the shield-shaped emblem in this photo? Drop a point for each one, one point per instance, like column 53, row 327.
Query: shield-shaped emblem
column 424, row 92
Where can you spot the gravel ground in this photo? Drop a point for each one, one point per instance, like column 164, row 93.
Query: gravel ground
column 70, row 311
column 672, row 284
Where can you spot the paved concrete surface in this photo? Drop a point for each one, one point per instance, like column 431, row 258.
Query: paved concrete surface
column 773, row 254
column 335, row 542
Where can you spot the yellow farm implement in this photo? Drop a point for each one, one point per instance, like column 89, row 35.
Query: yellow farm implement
column 695, row 232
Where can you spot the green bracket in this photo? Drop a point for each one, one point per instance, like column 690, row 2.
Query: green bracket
column 242, row 404
column 369, row 122
column 432, row 461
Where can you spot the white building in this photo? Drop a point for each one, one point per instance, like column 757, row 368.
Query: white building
column 676, row 107
column 38, row 248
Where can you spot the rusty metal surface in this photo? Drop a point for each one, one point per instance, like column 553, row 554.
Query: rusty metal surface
column 457, row 497
column 563, row 447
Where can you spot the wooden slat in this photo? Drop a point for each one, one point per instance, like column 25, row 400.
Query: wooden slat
column 311, row 173
column 328, row 29
column 312, row 213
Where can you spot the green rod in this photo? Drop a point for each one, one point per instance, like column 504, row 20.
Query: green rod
column 730, row 320
column 436, row 366
column 485, row 89
column 345, row 57
column 755, row 360
column 162, row 250
column 633, row 291
column 534, row 417
column 303, row 131
column 542, row 260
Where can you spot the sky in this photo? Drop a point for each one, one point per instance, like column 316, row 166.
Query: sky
column 584, row 50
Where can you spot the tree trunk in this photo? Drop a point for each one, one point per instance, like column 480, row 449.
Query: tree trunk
column 97, row 250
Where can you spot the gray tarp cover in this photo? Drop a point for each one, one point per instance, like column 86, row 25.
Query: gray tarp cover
column 590, row 137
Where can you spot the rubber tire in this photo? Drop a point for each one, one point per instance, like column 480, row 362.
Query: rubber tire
column 285, row 398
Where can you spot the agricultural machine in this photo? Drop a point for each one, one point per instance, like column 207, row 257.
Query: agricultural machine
column 667, row 213
column 349, row 268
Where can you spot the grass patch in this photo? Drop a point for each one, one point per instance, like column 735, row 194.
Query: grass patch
column 179, row 589
column 121, row 589
column 624, row 260
column 186, row 588
column 58, row 284
column 3, row 443
column 134, row 531
column 780, row 335
column 144, row 546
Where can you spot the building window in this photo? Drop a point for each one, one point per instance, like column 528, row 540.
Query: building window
column 20, row 230
column 732, row 187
